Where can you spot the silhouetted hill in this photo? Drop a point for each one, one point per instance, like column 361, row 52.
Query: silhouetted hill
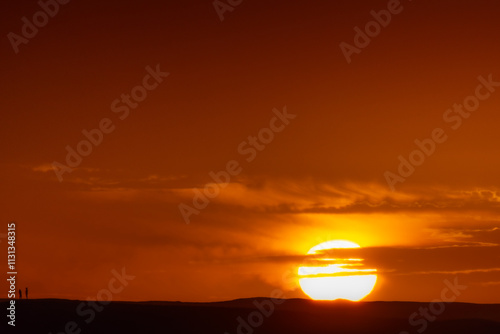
column 252, row 316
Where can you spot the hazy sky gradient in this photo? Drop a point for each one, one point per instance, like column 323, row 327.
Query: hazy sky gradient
column 321, row 178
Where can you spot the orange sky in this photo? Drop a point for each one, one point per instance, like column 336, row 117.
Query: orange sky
column 320, row 178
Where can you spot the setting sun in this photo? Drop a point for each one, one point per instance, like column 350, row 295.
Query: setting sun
column 250, row 167
column 337, row 278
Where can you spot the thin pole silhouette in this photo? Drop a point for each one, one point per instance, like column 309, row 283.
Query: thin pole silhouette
column 20, row 294
column 26, row 293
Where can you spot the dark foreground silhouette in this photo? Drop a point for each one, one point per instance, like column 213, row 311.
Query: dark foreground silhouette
column 243, row 316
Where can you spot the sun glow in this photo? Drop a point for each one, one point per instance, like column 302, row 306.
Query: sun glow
column 338, row 278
